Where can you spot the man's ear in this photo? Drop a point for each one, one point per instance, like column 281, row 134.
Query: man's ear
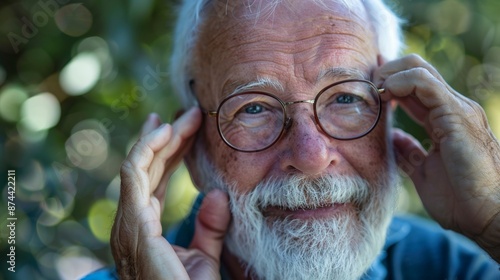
column 190, row 161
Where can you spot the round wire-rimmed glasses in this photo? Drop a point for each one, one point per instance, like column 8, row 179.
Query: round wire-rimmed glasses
column 254, row 121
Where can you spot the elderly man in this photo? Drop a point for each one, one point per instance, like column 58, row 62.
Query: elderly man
column 291, row 141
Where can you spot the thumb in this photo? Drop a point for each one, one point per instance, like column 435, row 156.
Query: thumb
column 212, row 224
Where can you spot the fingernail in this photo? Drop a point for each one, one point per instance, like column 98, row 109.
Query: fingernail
column 160, row 128
column 151, row 117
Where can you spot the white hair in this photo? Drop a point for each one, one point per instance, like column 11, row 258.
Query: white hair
column 192, row 13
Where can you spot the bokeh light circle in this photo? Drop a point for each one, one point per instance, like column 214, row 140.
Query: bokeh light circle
column 87, row 149
column 11, row 100
column 40, row 112
column 100, row 218
column 81, row 74
column 74, row 19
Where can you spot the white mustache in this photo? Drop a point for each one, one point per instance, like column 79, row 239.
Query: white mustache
column 298, row 192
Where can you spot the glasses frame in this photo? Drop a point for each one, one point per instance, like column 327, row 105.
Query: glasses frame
column 287, row 121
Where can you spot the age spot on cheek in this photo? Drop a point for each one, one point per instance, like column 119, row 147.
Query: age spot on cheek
column 228, row 161
column 230, row 158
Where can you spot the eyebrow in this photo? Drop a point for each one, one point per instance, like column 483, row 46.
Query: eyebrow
column 336, row 72
column 267, row 82
column 261, row 82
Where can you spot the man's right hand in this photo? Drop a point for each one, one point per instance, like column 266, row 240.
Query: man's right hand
column 139, row 249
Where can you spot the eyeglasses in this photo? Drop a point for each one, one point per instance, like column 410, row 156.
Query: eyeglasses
column 254, row 121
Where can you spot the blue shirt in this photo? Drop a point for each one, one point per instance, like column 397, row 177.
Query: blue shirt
column 414, row 249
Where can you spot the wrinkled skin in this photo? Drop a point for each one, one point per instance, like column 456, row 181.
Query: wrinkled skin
column 458, row 180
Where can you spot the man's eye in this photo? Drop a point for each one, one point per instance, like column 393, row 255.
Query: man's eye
column 254, row 109
column 347, row 98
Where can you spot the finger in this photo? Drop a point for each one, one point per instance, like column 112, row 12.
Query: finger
column 142, row 153
column 212, row 224
column 420, row 82
column 169, row 168
column 412, row 106
column 157, row 259
column 171, row 154
column 186, row 124
column 408, row 62
column 410, row 155
column 150, row 124
column 134, row 172
column 402, row 64
column 426, row 99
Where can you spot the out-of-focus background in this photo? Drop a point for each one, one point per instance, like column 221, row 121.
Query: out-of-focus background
column 77, row 79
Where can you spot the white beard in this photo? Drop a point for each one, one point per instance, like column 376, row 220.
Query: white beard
column 339, row 247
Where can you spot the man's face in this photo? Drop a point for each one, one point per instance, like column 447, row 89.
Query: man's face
column 293, row 46
column 309, row 206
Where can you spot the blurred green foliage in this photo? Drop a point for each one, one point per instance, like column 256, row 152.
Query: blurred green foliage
column 78, row 79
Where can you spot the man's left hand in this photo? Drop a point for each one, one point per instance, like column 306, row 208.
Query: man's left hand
column 458, row 179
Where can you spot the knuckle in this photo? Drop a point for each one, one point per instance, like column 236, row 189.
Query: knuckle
column 478, row 111
column 417, row 74
column 415, row 59
column 471, row 108
column 475, row 123
column 475, row 106
column 126, row 169
column 421, row 72
column 141, row 144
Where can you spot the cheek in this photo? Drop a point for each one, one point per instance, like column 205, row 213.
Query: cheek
column 369, row 155
column 244, row 169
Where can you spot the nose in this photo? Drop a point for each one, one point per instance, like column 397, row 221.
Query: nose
column 309, row 151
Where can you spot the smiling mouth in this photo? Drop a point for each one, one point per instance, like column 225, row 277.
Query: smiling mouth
column 306, row 212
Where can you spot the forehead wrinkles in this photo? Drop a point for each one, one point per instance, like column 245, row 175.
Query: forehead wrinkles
column 296, row 37
column 289, row 21
column 228, row 42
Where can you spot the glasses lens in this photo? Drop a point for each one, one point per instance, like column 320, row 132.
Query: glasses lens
column 349, row 109
column 250, row 121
